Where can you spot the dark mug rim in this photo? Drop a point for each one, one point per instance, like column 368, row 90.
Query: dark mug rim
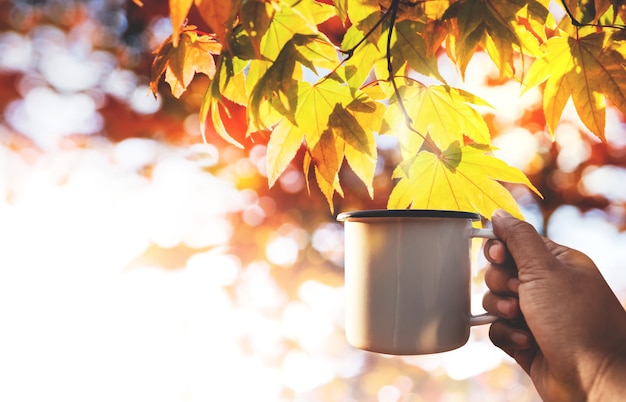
column 407, row 213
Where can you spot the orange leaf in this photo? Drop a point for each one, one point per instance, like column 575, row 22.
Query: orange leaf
column 178, row 13
column 194, row 54
column 219, row 15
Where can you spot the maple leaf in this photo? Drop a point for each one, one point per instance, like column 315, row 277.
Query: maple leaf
column 178, row 13
column 194, row 54
column 302, row 17
column 219, row 15
column 256, row 16
column 587, row 70
column 410, row 47
column 278, row 85
column 360, row 44
column 285, row 141
column 346, row 138
column 497, row 19
column 315, row 105
column 463, row 178
column 335, row 124
column 441, row 111
column 359, row 10
column 228, row 83
column 353, row 127
column 328, row 188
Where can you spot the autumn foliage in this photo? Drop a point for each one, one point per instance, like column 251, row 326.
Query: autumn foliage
column 333, row 97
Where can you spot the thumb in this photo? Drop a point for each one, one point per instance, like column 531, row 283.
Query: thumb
column 524, row 244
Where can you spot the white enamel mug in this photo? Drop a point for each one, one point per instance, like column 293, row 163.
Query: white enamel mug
column 407, row 280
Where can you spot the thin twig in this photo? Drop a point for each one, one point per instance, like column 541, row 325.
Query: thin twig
column 579, row 24
column 350, row 51
column 407, row 119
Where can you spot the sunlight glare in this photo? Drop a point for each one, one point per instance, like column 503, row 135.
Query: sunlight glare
column 601, row 181
column 302, row 371
column 120, row 83
column 214, row 268
column 17, row 52
column 389, row 393
column 518, row 147
column 282, row 251
column 572, row 149
column 143, row 102
column 328, row 241
column 46, row 116
column 292, row 180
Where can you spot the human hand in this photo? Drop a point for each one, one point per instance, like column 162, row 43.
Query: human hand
column 559, row 319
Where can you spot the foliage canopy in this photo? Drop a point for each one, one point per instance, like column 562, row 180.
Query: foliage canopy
column 333, row 97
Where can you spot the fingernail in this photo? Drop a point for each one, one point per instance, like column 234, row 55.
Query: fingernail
column 502, row 213
column 504, row 306
column 519, row 338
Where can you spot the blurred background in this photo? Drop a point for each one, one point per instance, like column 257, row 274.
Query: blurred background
column 139, row 264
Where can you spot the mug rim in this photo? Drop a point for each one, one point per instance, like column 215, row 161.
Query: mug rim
column 407, row 213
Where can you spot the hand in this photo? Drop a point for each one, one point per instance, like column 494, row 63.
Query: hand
column 559, row 319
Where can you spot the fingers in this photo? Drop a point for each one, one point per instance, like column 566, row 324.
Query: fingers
column 506, row 307
column 515, row 341
column 495, row 252
column 502, row 279
column 525, row 246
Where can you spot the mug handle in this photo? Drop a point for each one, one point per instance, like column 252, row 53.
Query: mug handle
column 484, row 318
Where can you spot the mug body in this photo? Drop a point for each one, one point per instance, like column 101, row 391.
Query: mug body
column 407, row 280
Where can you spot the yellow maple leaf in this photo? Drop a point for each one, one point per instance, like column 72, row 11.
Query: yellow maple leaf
column 587, row 69
column 462, row 178
column 282, row 147
column 178, row 13
column 441, row 111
